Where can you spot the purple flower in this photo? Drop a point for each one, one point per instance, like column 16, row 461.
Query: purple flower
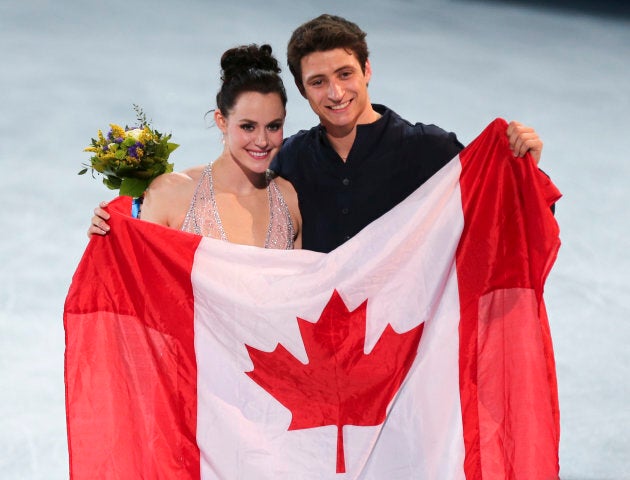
column 132, row 151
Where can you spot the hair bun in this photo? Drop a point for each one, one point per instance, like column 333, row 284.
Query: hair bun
column 248, row 68
column 238, row 59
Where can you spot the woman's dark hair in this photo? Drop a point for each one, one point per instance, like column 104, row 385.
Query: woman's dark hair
column 326, row 32
column 248, row 68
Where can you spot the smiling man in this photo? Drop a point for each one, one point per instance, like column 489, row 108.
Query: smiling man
column 362, row 159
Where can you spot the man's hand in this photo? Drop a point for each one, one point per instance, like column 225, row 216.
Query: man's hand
column 99, row 224
column 524, row 139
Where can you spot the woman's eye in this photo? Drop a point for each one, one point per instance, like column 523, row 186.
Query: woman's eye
column 274, row 127
column 247, row 127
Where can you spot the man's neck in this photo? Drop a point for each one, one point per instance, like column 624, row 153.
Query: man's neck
column 342, row 138
column 342, row 144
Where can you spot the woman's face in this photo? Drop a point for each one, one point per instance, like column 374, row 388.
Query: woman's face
column 253, row 129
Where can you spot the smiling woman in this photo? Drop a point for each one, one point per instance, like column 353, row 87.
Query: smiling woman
column 234, row 198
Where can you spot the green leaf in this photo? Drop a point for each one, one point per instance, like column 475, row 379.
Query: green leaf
column 161, row 151
column 112, row 182
column 82, row 172
column 133, row 187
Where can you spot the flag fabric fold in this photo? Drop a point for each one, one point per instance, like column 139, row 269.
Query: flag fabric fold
column 419, row 349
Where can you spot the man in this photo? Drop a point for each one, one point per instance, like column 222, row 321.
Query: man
column 362, row 159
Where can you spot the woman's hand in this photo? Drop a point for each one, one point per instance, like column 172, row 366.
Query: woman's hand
column 99, row 225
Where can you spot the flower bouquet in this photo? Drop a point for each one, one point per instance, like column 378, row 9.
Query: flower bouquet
column 130, row 158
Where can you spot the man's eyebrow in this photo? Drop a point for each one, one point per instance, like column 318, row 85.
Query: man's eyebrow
column 343, row 67
column 312, row 77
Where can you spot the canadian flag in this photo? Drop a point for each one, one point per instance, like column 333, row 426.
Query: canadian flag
column 419, row 349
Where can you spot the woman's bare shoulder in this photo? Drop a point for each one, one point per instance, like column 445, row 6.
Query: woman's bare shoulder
column 291, row 198
column 285, row 187
column 177, row 180
column 167, row 199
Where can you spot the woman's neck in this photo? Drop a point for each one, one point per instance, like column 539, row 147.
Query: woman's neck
column 230, row 177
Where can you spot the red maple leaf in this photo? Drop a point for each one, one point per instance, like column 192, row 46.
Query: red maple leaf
column 340, row 385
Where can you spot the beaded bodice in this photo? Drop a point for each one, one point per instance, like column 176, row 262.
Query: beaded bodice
column 203, row 217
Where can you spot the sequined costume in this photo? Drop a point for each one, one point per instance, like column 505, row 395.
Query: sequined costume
column 203, row 215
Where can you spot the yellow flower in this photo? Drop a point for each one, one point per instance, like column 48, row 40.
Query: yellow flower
column 146, row 135
column 117, row 131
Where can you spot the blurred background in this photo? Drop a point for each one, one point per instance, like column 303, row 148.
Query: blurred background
column 69, row 67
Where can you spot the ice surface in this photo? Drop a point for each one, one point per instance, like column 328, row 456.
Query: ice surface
column 70, row 67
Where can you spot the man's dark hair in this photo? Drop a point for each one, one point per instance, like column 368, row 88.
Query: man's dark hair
column 321, row 34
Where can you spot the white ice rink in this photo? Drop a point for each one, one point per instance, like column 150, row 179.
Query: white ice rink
column 69, row 67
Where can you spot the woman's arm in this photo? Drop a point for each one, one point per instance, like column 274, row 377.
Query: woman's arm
column 165, row 202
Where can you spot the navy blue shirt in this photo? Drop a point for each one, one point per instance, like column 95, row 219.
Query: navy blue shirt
column 389, row 159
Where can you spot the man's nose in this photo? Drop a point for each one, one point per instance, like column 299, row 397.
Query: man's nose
column 335, row 91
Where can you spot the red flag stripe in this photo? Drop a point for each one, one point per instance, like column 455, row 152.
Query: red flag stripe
column 131, row 376
column 507, row 375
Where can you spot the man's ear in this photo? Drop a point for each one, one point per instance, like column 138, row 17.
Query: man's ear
column 368, row 71
column 300, row 87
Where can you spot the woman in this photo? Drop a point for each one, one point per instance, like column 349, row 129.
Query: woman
column 233, row 198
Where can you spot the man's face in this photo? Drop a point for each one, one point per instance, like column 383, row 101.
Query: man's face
column 336, row 88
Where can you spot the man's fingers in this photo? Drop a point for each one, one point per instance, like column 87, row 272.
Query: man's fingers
column 524, row 139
